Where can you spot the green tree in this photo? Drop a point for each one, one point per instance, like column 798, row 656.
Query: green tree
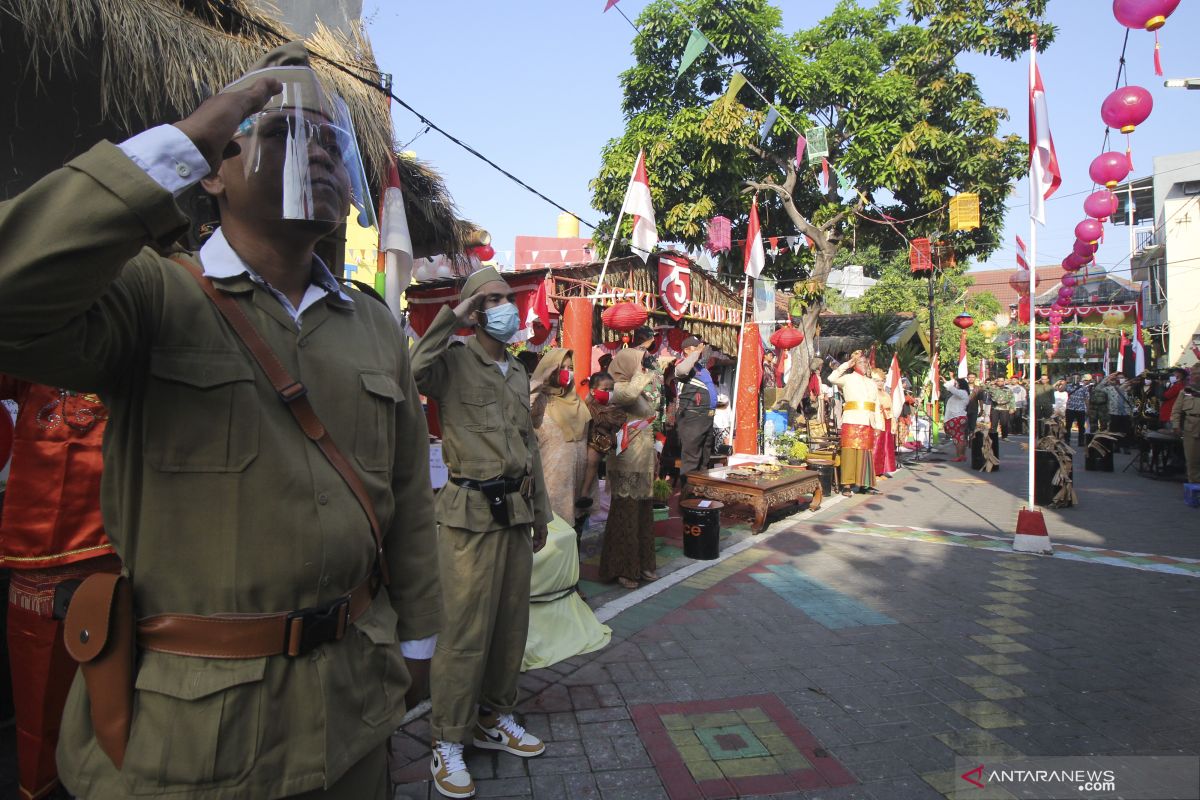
column 906, row 126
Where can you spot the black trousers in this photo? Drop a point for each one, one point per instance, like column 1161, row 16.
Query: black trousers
column 1073, row 417
column 1001, row 421
column 695, row 441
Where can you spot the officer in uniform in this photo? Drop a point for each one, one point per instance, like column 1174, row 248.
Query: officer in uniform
column 495, row 497
column 697, row 406
column 268, row 659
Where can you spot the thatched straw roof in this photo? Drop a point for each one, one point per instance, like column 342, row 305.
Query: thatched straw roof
column 154, row 60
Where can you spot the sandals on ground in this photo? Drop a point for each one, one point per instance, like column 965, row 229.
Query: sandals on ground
column 627, row 583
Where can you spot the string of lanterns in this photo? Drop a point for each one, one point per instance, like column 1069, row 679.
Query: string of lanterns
column 1124, row 109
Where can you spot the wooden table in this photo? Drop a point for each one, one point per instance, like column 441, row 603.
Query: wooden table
column 761, row 492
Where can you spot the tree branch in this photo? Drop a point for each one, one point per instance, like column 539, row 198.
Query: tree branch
column 789, row 205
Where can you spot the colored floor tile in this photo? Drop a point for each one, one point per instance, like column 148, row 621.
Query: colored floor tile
column 824, row 605
column 739, row 746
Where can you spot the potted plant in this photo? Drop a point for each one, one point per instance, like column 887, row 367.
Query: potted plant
column 790, row 447
column 661, row 492
column 798, row 452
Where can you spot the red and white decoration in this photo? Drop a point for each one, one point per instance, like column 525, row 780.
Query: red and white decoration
column 674, row 285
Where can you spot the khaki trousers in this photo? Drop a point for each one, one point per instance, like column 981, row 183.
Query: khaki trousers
column 485, row 622
column 1191, row 452
column 366, row 780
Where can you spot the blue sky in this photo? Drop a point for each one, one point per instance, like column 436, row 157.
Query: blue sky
column 534, row 86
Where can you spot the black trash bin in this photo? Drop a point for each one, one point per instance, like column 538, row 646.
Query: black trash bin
column 828, row 472
column 977, row 449
column 1095, row 462
column 1045, row 467
column 701, row 528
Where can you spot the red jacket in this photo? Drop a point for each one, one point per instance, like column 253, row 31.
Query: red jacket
column 1168, row 403
column 52, row 505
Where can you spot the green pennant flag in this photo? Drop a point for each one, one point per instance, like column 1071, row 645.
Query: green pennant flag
column 735, row 85
column 695, row 46
column 844, row 183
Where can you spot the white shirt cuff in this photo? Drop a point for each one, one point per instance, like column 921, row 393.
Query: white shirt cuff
column 419, row 649
column 168, row 156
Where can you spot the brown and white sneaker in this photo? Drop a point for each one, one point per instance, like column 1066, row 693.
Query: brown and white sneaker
column 450, row 775
column 502, row 732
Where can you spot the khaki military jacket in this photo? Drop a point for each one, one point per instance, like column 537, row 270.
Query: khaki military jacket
column 487, row 431
column 213, row 498
column 1185, row 415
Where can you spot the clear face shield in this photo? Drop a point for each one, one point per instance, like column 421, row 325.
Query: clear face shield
column 301, row 157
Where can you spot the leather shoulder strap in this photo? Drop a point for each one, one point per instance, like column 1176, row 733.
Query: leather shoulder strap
column 294, row 395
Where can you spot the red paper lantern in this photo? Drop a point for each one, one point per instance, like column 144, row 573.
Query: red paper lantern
column 1024, row 309
column 787, row 337
column 1089, row 230
column 1143, row 14
column 1100, row 205
column 1070, row 281
column 624, row 317
column 920, row 255
column 1085, row 249
column 1126, row 108
column 964, row 320
column 484, row 252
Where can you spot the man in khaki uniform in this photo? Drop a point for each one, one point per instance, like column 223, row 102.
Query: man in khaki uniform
column 1185, row 420
column 215, row 501
column 485, row 512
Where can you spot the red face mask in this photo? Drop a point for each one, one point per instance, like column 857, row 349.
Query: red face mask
column 602, row 396
column 564, row 377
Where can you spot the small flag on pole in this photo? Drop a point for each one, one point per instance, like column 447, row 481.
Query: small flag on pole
column 895, row 386
column 1044, row 174
column 639, row 205
column 1139, row 350
column 963, row 369
column 610, row 4
column 756, row 257
column 1124, row 343
column 395, row 242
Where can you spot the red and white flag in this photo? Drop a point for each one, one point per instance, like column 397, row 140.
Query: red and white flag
column 756, row 257
column 1121, row 352
column 1044, row 174
column 963, row 369
column 895, row 386
column 1022, row 263
column 1139, row 351
column 639, row 205
column 395, row 242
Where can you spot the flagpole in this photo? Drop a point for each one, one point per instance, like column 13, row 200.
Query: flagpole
column 1033, row 265
column 616, row 232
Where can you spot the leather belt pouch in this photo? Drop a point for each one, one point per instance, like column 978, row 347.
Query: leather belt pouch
column 98, row 633
column 496, row 493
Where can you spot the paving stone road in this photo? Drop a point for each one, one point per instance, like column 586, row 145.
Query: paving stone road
column 844, row 654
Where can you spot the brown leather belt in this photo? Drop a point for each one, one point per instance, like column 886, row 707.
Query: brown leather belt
column 855, row 405
column 289, row 633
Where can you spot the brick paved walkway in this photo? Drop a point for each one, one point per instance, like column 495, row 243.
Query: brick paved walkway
column 817, row 661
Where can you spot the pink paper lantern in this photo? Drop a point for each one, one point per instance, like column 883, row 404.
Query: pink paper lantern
column 1101, row 205
column 1126, row 108
column 1074, row 263
column 1019, row 281
column 1085, row 250
column 1089, row 230
column 1070, row 281
column 1143, row 14
column 1109, row 169
column 1065, row 296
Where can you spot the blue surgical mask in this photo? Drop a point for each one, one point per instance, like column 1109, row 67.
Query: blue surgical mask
column 502, row 322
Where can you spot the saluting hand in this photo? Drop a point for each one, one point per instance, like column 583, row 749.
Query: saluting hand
column 465, row 310
column 211, row 126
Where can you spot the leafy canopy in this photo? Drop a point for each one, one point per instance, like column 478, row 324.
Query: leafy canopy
column 906, row 126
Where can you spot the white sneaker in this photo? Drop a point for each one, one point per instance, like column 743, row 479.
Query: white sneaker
column 450, row 776
column 504, row 733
